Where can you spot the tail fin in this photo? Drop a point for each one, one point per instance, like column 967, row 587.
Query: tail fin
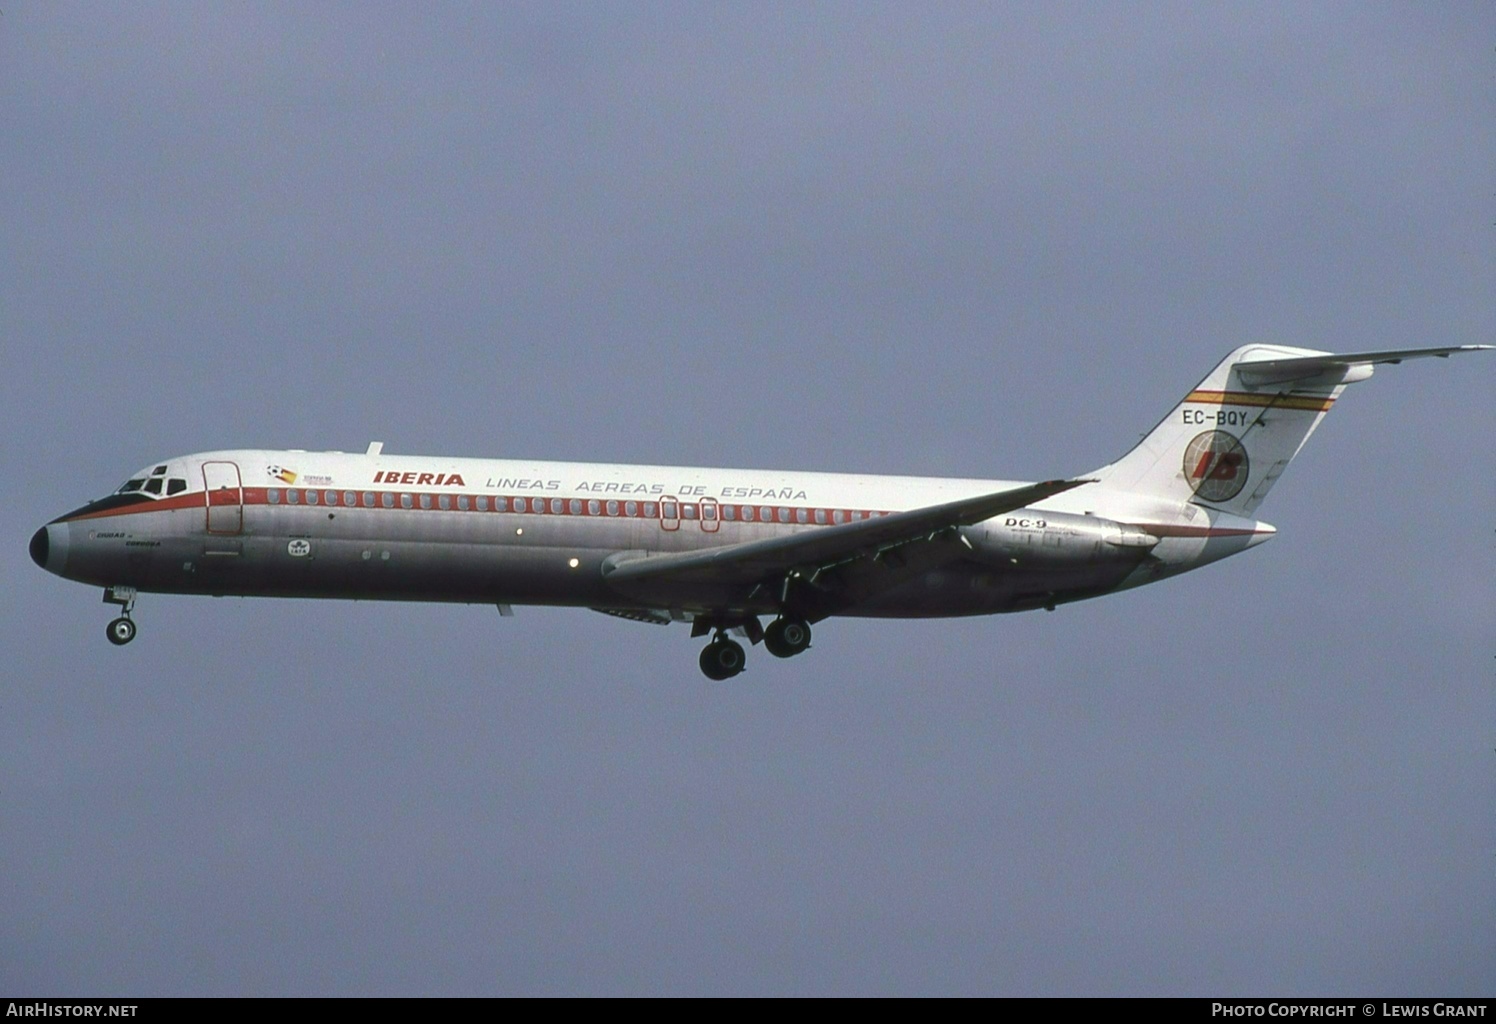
column 1228, row 441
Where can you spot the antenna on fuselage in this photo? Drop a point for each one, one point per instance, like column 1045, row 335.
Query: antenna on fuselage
column 375, row 447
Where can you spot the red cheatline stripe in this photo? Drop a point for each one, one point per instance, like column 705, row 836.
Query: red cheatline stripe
column 1312, row 403
column 507, row 504
column 189, row 499
column 1159, row 530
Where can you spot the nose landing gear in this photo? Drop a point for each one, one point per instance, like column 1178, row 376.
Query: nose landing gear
column 121, row 630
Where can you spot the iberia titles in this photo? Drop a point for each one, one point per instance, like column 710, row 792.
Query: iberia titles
column 416, row 479
column 420, row 479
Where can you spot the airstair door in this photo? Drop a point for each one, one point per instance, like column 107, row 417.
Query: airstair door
column 225, row 497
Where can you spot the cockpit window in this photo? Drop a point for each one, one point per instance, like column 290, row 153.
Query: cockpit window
column 131, row 485
column 159, row 471
column 153, row 485
column 176, row 485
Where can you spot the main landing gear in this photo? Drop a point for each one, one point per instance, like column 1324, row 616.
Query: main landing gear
column 722, row 658
column 121, row 630
column 783, row 638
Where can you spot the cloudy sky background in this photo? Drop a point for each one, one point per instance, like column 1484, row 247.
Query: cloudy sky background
column 978, row 240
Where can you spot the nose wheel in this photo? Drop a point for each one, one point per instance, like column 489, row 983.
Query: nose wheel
column 121, row 630
column 722, row 658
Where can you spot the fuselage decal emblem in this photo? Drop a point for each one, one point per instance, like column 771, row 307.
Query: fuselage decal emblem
column 1216, row 465
column 299, row 548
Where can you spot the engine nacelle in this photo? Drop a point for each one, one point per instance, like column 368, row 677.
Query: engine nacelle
column 1058, row 539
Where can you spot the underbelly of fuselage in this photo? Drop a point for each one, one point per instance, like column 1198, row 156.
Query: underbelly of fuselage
column 408, row 570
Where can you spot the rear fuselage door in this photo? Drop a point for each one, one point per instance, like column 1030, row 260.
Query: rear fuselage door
column 224, row 496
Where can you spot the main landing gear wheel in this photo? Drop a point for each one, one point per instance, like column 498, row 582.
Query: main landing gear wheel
column 120, row 632
column 722, row 659
column 785, row 638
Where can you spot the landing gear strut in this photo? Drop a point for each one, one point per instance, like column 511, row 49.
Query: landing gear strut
column 121, row 630
column 785, row 638
column 722, row 658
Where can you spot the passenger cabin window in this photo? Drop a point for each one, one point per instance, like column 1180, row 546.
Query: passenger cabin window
column 350, row 499
column 483, row 504
column 462, row 502
column 176, row 485
column 802, row 515
column 821, row 516
column 593, row 508
column 311, row 497
column 425, row 501
column 330, row 497
column 729, row 512
column 631, row 508
column 273, row 495
column 612, row 508
column 405, row 501
column 293, row 496
column 387, row 500
column 688, row 511
column 445, row 501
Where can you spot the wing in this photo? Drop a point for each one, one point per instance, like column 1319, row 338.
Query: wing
column 764, row 572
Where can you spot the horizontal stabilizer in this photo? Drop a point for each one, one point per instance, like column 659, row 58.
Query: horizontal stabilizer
column 1334, row 369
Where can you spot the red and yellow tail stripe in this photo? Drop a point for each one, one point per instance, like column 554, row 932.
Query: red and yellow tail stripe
column 1308, row 403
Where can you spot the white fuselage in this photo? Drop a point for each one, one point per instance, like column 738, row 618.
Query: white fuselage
column 719, row 548
column 332, row 524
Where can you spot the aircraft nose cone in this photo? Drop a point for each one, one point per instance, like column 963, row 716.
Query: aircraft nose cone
column 40, row 546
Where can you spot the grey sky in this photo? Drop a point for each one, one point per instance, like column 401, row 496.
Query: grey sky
column 977, row 240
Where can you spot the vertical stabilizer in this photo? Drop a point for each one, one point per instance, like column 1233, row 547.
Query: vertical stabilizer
column 1228, row 440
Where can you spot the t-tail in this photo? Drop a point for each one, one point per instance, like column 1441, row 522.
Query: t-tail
column 1230, row 439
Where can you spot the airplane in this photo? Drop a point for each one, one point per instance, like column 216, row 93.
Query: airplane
column 720, row 549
